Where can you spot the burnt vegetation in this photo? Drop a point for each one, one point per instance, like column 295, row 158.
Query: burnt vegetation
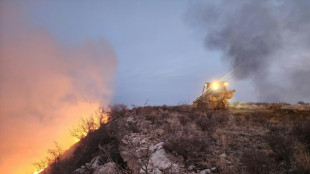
column 247, row 138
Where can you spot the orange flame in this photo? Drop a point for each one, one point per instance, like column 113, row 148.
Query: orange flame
column 38, row 171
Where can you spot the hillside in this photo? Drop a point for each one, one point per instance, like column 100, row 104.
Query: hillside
column 247, row 138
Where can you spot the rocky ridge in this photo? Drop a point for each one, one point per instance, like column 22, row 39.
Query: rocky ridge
column 168, row 140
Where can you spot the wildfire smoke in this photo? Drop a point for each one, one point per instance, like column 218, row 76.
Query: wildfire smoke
column 46, row 88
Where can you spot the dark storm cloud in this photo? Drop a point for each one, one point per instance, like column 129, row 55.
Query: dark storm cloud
column 258, row 38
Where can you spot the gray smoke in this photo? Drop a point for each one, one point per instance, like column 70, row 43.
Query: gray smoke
column 265, row 41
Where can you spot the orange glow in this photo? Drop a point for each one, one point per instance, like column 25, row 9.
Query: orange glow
column 75, row 140
column 46, row 88
column 38, row 171
column 105, row 118
column 35, row 150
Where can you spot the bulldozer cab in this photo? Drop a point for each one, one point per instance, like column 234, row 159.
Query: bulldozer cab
column 214, row 87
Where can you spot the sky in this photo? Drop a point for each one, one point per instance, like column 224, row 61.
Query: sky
column 161, row 57
column 61, row 60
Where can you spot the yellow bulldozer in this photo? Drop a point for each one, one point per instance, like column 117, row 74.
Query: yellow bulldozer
column 214, row 96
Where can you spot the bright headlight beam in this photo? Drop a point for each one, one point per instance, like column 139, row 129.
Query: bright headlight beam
column 215, row 85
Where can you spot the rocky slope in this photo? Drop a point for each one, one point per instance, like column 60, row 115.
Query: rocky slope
column 247, row 138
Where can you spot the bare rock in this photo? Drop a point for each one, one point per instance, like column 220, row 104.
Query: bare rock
column 108, row 168
column 160, row 160
column 130, row 119
column 95, row 162
column 206, row 171
column 191, row 167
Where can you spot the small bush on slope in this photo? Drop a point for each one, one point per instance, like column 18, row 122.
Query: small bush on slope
column 302, row 131
column 189, row 147
column 257, row 162
column 210, row 122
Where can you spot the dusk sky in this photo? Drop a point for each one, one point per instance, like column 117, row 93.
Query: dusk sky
column 61, row 60
column 162, row 59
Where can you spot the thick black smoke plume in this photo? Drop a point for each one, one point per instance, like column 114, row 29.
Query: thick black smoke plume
column 265, row 41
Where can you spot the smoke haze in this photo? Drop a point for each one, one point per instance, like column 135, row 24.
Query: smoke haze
column 46, row 87
column 264, row 41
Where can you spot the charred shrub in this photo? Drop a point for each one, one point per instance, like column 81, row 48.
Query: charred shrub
column 147, row 109
column 164, row 115
column 136, row 110
column 194, row 115
column 301, row 103
column 184, row 119
column 165, row 108
column 155, row 118
column 260, row 118
column 206, row 123
column 54, row 161
column 282, row 147
column 110, row 152
column 116, row 111
column 221, row 119
column 301, row 159
column 302, row 132
column 257, row 162
column 184, row 108
column 238, row 120
column 187, row 146
column 210, row 122
column 133, row 127
column 170, row 128
column 101, row 137
column 151, row 117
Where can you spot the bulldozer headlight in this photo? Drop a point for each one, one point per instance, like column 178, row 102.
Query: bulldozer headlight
column 215, row 85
